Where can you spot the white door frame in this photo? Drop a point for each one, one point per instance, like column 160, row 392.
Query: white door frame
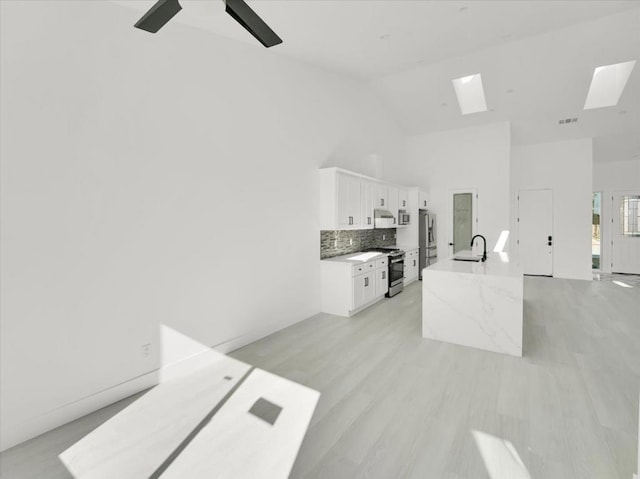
column 553, row 234
column 449, row 221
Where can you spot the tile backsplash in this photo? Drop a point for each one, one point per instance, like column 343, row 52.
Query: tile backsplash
column 336, row 243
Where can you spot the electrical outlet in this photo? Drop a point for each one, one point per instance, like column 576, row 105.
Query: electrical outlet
column 350, row 241
column 395, row 236
column 335, row 243
column 146, row 349
column 384, row 237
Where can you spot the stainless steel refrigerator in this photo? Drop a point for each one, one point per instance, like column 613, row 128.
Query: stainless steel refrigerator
column 427, row 239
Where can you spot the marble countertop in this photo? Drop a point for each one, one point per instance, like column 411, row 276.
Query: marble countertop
column 357, row 258
column 497, row 264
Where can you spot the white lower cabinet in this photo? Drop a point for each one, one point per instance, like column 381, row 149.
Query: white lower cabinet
column 349, row 288
column 364, row 289
column 382, row 281
column 411, row 265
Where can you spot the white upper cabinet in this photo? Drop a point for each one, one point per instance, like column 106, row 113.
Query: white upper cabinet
column 348, row 200
column 340, row 200
column 422, row 198
column 403, row 199
column 392, row 193
column 368, row 190
column 382, row 196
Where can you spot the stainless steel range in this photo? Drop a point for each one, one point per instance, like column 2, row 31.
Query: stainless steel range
column 396, row 269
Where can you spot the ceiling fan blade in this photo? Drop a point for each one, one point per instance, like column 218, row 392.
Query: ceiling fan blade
column 158, row 15
column 242, row 13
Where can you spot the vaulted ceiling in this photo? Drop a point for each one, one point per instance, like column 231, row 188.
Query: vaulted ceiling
column 536, row 58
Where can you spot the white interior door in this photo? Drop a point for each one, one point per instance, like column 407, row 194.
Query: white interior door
column 625, row 232
column 535, row 231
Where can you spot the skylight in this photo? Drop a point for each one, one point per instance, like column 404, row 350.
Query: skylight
column 470, row 94
column 607, row 84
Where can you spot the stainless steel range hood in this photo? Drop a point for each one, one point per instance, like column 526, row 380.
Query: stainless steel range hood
column 383, row 219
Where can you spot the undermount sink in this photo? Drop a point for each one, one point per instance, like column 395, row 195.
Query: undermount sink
column 475, row 259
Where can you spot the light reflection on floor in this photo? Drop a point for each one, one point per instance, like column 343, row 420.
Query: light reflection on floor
column 619, row 279
column 500, row 457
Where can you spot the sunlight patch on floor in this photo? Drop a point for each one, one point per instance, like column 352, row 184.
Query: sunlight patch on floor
column 500, row 457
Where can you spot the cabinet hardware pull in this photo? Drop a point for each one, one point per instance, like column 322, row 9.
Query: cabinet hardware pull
column 366, row 282
column 394, row 220
column 369, row 219
column 384, row 275
column 414, row 262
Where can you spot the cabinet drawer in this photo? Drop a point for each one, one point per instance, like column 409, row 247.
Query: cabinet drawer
column 363, row 268
column 358, row 269
column 382, row 262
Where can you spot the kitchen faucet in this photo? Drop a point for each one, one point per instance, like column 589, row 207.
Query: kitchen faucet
column 484, row 240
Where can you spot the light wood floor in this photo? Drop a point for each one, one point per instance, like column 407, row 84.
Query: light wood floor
column 394, row 405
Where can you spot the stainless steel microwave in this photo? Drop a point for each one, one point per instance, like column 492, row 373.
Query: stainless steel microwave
column 403, row 218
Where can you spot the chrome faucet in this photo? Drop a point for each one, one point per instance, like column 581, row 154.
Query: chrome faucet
column 484, row 240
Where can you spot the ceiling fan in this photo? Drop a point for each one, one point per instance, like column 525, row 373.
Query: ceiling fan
column 165, row 10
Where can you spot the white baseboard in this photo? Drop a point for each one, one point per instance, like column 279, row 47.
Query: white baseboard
column 74, row 410
column 268, row 330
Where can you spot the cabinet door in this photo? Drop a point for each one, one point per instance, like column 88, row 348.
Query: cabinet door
column 382, row 281
column 368, row 203
column 422, row 198
column 382, row 199
column 403, row 199
column 349, row 201
column 370, row 286
column 392, row 193
column 411, row 266
column 364, row 289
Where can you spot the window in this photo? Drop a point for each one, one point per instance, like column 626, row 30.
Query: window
column 630, row 215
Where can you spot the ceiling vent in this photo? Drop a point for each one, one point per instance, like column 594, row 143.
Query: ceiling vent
column 567, row 120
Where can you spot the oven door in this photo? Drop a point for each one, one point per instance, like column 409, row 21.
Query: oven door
column 396, row 271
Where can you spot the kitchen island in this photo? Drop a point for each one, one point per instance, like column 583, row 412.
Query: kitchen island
column 474, row 304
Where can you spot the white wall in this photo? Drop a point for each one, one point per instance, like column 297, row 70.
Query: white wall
column 566, row 168
column 476, row 157
column 608, row 177
column 616, row 175
column 154, row 179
